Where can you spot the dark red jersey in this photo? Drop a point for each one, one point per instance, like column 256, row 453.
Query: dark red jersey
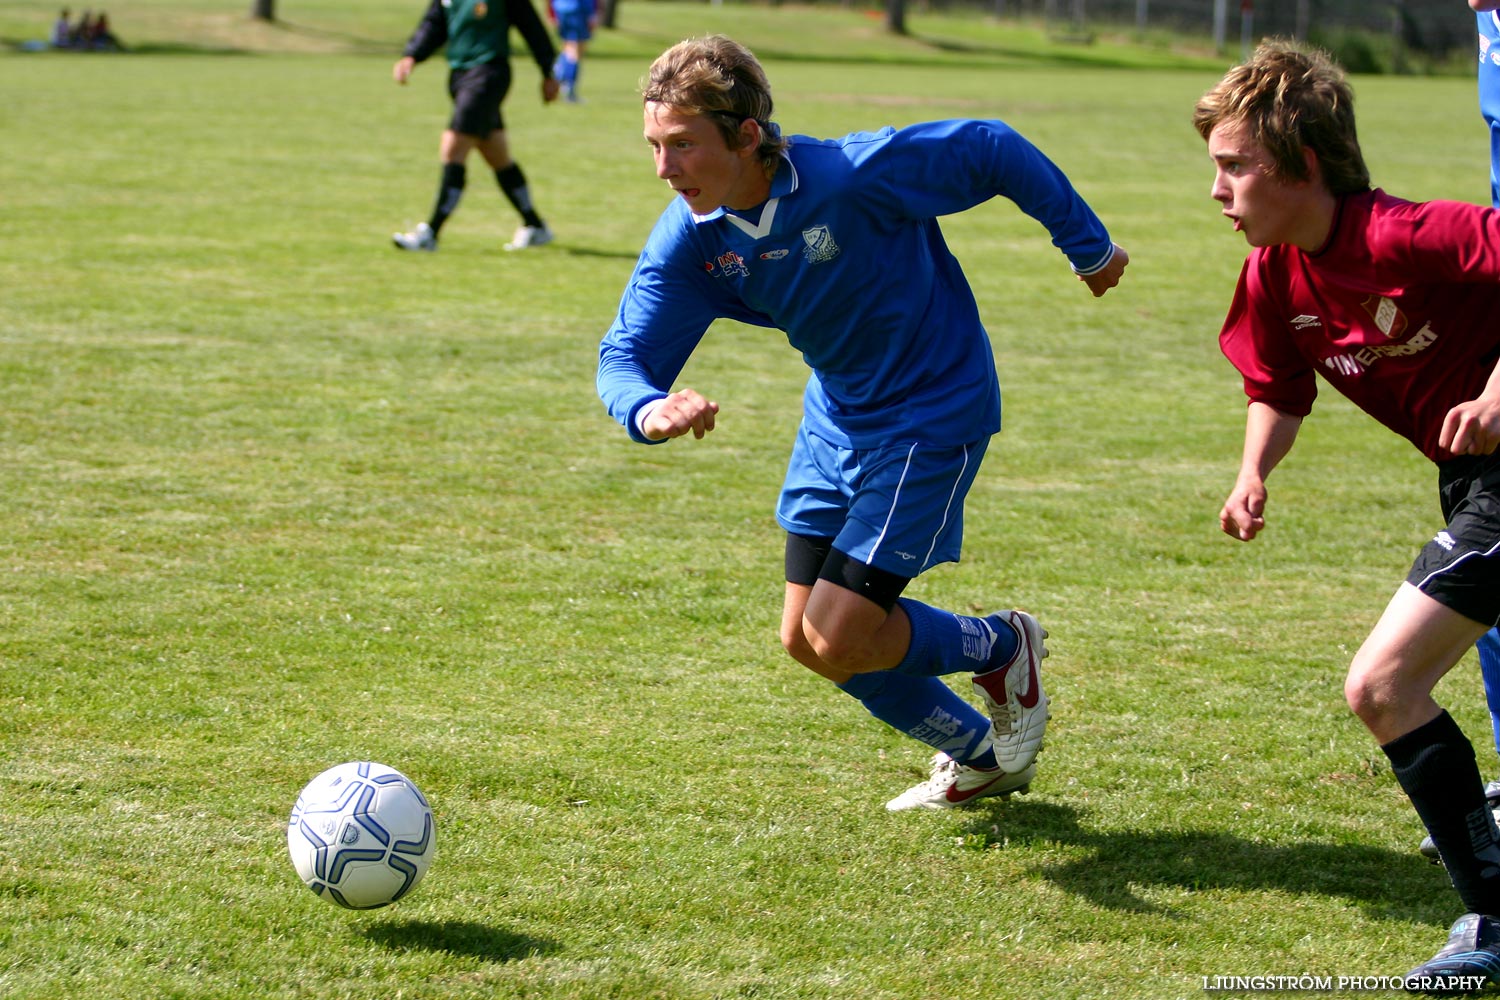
column 1399, row 311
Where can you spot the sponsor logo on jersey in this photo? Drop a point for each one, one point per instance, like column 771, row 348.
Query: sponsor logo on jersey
column 732, row 264
column 818, row 245
column 1388, row 319
column 1304, row 321
column 1357, row 362
column 774, row 254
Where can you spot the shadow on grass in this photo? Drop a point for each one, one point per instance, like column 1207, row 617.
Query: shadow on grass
column 353, row 43
column 948, row 53
column 1386, row 884
column 577, row 251
column 461, row 937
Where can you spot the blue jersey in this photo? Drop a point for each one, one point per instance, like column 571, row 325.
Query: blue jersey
column 1489, row 91
column 847, row 259
column 562, row 8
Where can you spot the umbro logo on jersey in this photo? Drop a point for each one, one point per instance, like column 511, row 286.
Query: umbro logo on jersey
column 1304, row 321
column 774, row 254
column 1445, row 540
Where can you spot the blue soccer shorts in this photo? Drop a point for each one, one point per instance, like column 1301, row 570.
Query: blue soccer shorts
column 899, row 508
column 573, row 26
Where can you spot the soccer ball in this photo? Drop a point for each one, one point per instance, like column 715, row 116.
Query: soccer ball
column 361, row 835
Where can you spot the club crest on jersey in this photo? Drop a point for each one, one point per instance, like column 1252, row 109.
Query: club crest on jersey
column 731, row 265
column 818, row 245
column 481, row 9
column 1388, row 319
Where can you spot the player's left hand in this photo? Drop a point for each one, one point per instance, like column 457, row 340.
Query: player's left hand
column 1472, row 428
column 1108, row 276
column 550, row 89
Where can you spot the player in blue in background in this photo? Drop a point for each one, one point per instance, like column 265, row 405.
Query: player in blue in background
column 575, row 26
column 1488, row 22
column 1489, row 106
column 836, row 243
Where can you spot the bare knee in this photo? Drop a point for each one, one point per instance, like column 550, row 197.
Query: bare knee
column 1368, row 697
column 814, row 649
column 839, row 649
column 794, row 641
column 1387, row 700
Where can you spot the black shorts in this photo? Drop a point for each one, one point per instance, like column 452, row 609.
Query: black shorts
column 1460, row 568
column 477, row 93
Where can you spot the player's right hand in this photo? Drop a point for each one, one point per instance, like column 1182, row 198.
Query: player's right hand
column 1243, row 514
column 683, row 412
column 401, row 72
column 1109, row 276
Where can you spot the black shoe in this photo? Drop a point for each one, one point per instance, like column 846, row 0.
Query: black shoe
column 1467, row 964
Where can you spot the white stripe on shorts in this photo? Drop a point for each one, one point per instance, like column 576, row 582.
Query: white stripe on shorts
column 1450, row 566
column 896, row 501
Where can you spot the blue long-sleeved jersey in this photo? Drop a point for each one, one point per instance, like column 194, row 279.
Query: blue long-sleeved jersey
column 847, row 258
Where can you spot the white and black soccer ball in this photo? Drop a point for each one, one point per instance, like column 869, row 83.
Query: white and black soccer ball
column 361, row 835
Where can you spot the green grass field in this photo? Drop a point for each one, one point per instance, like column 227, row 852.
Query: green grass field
column 276, row 497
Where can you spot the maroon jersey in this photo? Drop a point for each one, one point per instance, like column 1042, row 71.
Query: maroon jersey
column 1399, row 311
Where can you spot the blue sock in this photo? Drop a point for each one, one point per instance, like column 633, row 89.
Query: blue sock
column 1489, row 668
column 925, row 709
column 945, row 643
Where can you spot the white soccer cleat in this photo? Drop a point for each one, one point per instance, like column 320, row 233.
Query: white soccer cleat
column 422, row 238
column 529, row 236
column 953, row 784
column 1013, row 694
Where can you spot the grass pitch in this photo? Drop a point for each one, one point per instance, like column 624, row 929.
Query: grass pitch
column 277, row 497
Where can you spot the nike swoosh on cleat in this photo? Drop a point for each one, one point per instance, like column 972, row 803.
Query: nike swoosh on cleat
column 1033, row 689
column 954, row 795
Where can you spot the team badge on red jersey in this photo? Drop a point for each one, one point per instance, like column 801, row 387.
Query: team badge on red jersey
column 1388, row 319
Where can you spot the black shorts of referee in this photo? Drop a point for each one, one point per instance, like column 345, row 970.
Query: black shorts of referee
column 477, row 93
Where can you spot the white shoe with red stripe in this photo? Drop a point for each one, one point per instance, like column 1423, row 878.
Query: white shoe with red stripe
column 1013, row 694
column 953, row 784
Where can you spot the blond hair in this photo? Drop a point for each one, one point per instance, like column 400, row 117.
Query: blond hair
column 1291, row 99
column 720, row 78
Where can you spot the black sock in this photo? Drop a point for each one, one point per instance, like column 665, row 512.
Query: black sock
column 450, row 189
column 1434, row 764
column 513, row 183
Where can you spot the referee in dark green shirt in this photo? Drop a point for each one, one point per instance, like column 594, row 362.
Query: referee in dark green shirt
column 477, row 36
